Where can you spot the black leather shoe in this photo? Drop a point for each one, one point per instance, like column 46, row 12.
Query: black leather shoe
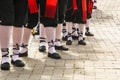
column 75, row 37
column 42, row 49
column 61, row 48
column 81, row 42
column 18, row 63
column 54, row 55
column 64, row 38
column 83, row 38
column 89, row 34
column 94, row 7
column 25, row 54
column 69, row 42
column 5, row 66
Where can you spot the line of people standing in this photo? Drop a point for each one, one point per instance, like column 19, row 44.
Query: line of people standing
column 52, row 14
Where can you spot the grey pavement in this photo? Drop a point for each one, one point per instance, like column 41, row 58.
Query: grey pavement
column 98, row 60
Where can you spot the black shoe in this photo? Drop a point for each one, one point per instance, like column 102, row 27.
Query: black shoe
column 18, row 63
column 54, row 55
column 5, row 66
column 64, row 38
column 61, row 48
column 25, row 54
column 83, row 38
column 69, row 42
column 81, row 42
column 42, row 48
column 89, row 34
column 75, row 37
column 94, row 7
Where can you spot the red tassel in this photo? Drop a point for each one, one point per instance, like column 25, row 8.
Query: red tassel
column 84, row 10
column 51, row 6
column 75, row 5
column 32, row 6
column 90, row 6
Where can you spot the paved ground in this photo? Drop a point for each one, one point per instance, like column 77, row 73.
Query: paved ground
column 99, row 60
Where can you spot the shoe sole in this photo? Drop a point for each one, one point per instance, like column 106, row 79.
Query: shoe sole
column 5, row 68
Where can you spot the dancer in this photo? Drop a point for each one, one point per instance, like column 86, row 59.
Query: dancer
column 48, row 17
column 62, row 5
column 11, row 15
column 76, row 14
column 89, row 15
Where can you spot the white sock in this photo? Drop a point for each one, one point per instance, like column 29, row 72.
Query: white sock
column 70, row 38
column 5, row 59
column 95, row 3
column 15, row 57
column 42, row 31
column 82, row 29
column 50, row 32
column 80, row 38
column 51, row 48
column 58, row 31
column 74, row 31
column 5, row 55
column 69, row 25
column 42, row 41
column 64, row 32
column 58, row 43
column 23, row 50
column 42, row 44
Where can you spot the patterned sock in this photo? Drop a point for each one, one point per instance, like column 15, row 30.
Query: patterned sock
column 65, row 33
column 80, row 37
column 69, row 37
column 5, row 55
column 57, row 42
column 51, row 47
column 23, row 48
column 42, row 41
column 87, row 29
column 15, row 55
